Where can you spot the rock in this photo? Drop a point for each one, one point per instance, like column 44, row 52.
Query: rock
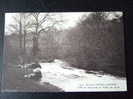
column 34, row 65
column 37, row 70
column 36, row 75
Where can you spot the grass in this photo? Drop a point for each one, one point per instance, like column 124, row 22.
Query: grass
column 14, row 81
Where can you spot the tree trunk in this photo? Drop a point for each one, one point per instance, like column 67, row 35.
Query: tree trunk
column 36, row 43
column 24, row 51
column 20, row 42
column 35, row 48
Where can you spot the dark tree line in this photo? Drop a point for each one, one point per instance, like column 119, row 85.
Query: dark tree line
column 97, row 43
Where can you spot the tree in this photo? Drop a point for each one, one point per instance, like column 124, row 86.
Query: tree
column 26, row 29
column 17, row 29
column 20, row 27
column 42, row 23
column 96, row 43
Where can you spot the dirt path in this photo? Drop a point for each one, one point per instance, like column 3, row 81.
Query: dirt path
column 15, row 82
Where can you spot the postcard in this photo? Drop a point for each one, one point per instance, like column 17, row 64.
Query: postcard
column 64, row 52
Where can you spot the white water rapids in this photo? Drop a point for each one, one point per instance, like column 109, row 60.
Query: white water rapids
column 70, row 79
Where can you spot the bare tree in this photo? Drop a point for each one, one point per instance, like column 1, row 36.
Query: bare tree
column 42, row 23
column 20, row 27
column 16, row 28
column 35, row 24
column 26, row 29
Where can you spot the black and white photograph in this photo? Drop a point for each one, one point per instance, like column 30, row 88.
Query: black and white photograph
column 64, row 52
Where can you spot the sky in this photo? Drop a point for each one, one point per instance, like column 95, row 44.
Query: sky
column 70, row 19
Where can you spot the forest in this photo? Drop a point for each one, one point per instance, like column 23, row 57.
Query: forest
column 94, row 43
